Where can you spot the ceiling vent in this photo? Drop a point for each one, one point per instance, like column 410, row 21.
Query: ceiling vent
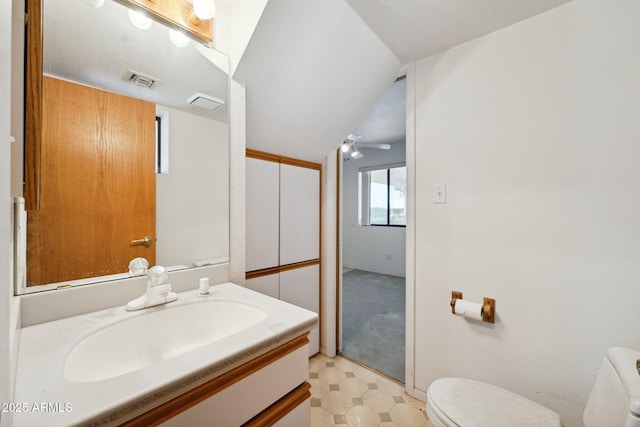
column 141, row 80
column 205, row 101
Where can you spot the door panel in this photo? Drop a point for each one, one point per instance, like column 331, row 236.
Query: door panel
column 299, row 214
column 263, row 214
column 97, row 190
column 268, row 285
column 301, row 287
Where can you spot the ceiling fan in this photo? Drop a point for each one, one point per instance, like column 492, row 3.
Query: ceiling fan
column 351, row 144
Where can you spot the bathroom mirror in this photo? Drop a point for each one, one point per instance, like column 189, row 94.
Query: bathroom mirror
column 100, row 48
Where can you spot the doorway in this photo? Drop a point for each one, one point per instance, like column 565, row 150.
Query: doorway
column 373, row 224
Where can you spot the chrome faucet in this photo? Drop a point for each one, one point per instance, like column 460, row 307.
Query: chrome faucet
column 158, row 291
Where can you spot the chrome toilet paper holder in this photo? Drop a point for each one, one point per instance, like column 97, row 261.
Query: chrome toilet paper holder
column 488, row 306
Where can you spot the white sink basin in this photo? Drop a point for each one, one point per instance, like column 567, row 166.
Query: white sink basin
column 155, row 336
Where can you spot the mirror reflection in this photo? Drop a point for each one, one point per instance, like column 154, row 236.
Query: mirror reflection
column 127, row 167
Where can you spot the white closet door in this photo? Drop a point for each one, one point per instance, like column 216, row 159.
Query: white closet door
column 263, row 214
column 299, row 214
column 301, row 287
column 267, row 285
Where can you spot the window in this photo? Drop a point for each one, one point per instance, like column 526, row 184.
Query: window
column 158, row 144
column 162, row 141
column 382, row 195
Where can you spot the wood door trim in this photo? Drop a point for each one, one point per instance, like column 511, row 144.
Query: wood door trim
column 301, row 264
column 321, row 331
column 263, row 272
column 270, row 157
column 192, row 397
column 33, row 104
column 282, row 407
column 338, row 244
column 279, row 269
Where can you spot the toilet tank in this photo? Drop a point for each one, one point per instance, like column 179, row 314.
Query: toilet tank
column 615, row 397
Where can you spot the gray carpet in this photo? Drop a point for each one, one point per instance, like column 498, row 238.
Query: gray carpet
column 373, row 321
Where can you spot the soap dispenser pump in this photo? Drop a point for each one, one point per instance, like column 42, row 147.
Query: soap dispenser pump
column 203, row 287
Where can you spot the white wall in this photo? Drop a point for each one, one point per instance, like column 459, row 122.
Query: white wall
column 535, row 131
column 312, row 70
column 330, row 261
column 244, row 17
column 7, row 355
column 367, row 247
column 237, row 173
column 192, row 200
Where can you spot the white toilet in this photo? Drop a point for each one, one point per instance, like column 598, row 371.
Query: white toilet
column 614, row 400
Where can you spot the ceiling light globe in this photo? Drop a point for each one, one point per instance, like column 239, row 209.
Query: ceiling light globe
column 178, row 38
column 139, row 19
column 204, row 9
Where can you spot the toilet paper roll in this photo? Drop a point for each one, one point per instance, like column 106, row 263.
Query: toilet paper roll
column 473, row 310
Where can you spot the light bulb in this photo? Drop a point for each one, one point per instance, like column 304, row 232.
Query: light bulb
column 139, row 19
column 204, row 9
column 345, row 147
column 178, row 38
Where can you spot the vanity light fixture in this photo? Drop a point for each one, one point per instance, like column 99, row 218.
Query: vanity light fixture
column 192, row 17
column 178, row 38
column 139, row 19
column 202, row 11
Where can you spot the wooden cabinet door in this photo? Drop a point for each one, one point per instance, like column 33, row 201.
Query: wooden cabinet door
column 262, row 214
column 97, row 184
column 301, row 287
column 299, row 214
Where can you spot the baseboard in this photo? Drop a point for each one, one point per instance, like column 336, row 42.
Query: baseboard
column 418, row 394
column 372, row 270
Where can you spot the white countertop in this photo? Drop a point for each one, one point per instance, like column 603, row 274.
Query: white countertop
column 47, row 398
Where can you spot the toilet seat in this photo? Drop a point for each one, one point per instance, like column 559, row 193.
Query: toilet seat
column 464, row 402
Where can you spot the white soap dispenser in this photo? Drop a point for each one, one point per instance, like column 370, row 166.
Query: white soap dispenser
column 203, row 286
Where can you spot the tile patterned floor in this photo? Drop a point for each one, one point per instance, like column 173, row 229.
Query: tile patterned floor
column 344, row 393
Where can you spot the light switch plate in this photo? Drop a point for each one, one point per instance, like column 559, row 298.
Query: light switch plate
column 440, row 193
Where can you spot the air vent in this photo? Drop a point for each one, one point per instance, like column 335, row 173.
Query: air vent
column 141, row 80
column 205, row 101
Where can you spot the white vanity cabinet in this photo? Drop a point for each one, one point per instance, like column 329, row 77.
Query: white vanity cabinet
column 276, row 392
column 231, row 374
column 283, row 231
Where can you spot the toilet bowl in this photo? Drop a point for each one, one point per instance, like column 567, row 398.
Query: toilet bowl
column 614, row 400
column 453, row 402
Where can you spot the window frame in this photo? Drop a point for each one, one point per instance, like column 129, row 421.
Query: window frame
column 162, row 141
column 364, row 194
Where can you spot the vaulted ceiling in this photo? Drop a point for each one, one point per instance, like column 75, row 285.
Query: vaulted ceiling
column 314, row 69
column 414, row 29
